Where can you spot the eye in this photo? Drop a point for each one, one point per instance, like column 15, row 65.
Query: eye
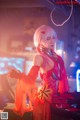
column 48, row 38
column 53, row 37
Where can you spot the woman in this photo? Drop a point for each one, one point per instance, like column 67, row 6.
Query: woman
column 52, row 72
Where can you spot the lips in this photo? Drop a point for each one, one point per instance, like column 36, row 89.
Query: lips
column 52, row 45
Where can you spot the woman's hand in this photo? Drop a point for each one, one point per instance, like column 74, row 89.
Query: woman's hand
column 14, row 74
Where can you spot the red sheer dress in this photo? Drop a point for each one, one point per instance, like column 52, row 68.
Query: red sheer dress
column 53, row 81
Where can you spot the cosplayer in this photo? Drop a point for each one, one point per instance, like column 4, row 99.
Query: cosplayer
column 52, row 72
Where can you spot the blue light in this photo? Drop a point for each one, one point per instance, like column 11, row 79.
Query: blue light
column 78, row 80
column 8, row 63
column 2, row 64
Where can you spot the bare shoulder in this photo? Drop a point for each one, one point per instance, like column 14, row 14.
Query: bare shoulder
column 38, row 60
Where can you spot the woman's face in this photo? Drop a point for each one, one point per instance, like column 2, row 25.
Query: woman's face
column 48, row 40
column 45, row 36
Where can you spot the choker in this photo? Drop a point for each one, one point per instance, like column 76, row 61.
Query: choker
column 48, row 52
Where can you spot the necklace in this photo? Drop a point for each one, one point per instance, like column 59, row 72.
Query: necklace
column 46, row 51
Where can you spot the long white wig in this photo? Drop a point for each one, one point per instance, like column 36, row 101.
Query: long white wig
column 40, row 34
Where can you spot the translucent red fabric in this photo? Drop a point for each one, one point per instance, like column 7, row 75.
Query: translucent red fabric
column 47, row 95
column 24, row 87
column 63, row 82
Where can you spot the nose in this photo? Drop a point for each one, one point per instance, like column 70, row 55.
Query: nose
column 52, row 40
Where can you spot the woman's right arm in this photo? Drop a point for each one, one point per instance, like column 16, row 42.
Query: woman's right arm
column 33, row 73
column 38, row 60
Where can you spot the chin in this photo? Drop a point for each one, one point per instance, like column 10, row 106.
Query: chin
column 52, row 48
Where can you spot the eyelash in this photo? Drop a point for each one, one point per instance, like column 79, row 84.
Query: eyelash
column 50, row 38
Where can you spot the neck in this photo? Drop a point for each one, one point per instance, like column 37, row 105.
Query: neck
column 47, row 51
